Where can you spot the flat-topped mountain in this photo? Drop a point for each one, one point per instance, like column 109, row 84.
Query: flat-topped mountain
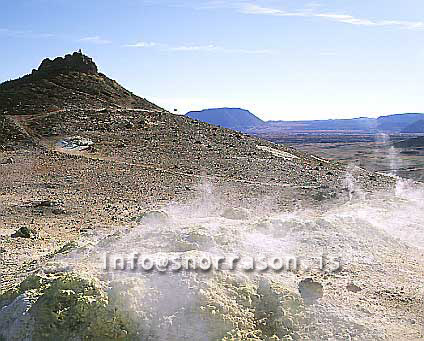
column 232, row 118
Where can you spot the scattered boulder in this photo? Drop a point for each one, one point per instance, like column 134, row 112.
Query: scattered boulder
column 281, row 312
column 25, row 232
column 49, row 206
column 353, row 288
column 68, row 247
column 324, row 193
column 152, row 217
column 310, row 290
column 235, row 213
column 7, row 161
column 45, row 203
column 196, row 236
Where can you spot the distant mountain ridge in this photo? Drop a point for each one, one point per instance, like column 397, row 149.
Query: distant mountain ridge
column 398, row 123
column 415, row 128
column 240, row 119
column 232, row 118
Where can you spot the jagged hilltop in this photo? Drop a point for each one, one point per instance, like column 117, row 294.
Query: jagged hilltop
column 76, row 62
column 63, row 83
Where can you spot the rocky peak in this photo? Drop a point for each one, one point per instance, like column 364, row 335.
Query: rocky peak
column 77, row 62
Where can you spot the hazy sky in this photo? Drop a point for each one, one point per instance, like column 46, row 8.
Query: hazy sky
column 280, row 59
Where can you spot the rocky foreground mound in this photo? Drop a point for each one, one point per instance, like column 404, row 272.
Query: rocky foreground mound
column 355, row 278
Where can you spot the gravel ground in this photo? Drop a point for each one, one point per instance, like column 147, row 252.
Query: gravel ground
column 142, row 161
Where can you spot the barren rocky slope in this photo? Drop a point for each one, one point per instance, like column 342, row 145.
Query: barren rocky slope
column 82, row 181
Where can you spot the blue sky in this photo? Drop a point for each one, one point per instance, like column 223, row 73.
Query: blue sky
column 289, row 59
